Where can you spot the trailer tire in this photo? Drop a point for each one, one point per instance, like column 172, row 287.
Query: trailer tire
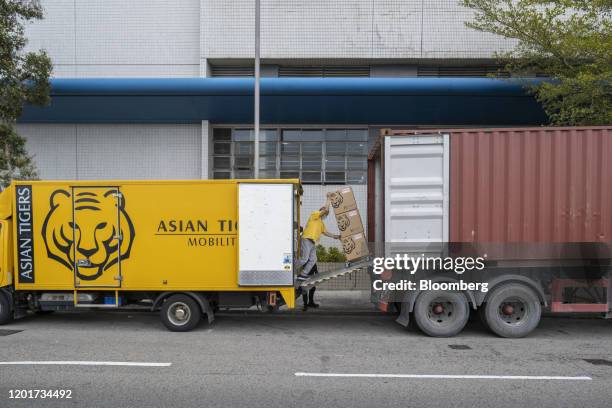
column 6, row 314
column 512, row 310
column 441, row 313
column 180, row 313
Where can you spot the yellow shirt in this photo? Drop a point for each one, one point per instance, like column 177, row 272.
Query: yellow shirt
column 314, row 227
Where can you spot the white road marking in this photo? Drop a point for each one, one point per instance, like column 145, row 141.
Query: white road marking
column 448, row 376
column 87, row 363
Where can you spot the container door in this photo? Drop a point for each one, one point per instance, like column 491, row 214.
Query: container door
column 416, row 189
column 96, row 236
column 266, row 234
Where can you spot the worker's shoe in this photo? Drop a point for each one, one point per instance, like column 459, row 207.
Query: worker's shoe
column 313, row 305
column 304, row 308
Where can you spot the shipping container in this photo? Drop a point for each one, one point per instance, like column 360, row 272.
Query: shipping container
column 535, row 202
column 547, row 185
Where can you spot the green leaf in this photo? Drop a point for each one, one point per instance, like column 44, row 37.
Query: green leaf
column 568, row 41
column 24, row 78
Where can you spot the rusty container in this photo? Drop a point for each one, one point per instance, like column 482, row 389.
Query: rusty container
column 546, row 185
column 506, row 185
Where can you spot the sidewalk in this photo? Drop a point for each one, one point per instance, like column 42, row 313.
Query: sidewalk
column 338, row 301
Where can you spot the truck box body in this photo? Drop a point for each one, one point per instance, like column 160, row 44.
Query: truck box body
column 149, row 235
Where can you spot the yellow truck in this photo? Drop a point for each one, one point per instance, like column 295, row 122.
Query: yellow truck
column 185, row 248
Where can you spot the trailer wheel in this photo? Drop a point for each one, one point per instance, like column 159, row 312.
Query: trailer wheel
column 180, row 313
column 6, row 315
column 513, row 310
column 441, row 313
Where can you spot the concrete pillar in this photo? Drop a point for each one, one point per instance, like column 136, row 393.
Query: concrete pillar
column 206, row 169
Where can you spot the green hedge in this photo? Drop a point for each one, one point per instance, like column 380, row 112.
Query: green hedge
column 331, row 254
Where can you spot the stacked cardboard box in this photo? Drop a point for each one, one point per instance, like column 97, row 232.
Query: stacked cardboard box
column 354, row 242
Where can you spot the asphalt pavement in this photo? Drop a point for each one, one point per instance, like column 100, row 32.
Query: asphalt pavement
column 344, row 354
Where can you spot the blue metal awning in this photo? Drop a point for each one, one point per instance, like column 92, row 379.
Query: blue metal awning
column 374, row 101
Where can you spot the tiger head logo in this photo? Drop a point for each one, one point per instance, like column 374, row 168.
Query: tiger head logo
column 97, row 231
column 336, row 199
column 348, row 245
column 343, row 222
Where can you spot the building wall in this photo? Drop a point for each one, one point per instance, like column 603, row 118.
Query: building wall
column 165, row 38
column 363, row 29
column 117, row 38
column 90, row 152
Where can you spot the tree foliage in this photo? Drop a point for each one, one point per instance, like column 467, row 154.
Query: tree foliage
column 24, row 78
column 332, row 254
column 568, row 41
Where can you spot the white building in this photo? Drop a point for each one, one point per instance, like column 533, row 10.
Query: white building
column 162, row 39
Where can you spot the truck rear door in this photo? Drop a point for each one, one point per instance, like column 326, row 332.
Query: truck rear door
column 266, row 234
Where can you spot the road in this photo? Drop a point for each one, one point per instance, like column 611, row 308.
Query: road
column 251, row 359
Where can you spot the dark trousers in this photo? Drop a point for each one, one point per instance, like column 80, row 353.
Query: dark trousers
column 308, row 297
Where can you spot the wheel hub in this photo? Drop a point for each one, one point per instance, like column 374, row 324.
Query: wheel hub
column 438, row 309
column 513, row 311
column 179, row 314
column 441, row 311
column 507, row 309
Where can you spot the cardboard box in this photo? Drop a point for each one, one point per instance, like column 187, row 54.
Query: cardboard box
column 343, row 200
column 349, row 223
column 355, row 246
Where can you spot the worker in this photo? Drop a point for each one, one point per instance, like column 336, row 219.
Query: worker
column 308, row 295
column 308, row 255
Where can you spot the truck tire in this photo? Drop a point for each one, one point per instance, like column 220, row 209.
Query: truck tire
column 441, row 313
column 6, row 314
column 512, row 310
column 180, row 313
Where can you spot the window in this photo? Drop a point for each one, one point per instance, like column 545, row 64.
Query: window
column 316, row 156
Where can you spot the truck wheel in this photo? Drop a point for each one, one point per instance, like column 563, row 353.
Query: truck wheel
column 180, row 313
column 512, row 310
column 6, row 314
column 441, row 313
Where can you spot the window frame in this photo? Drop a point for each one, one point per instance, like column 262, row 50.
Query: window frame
column 279, row 140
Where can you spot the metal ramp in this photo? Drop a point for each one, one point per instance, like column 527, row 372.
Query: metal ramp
column 325, row 276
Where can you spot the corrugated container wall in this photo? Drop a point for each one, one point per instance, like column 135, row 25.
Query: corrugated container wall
column 531, row 185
